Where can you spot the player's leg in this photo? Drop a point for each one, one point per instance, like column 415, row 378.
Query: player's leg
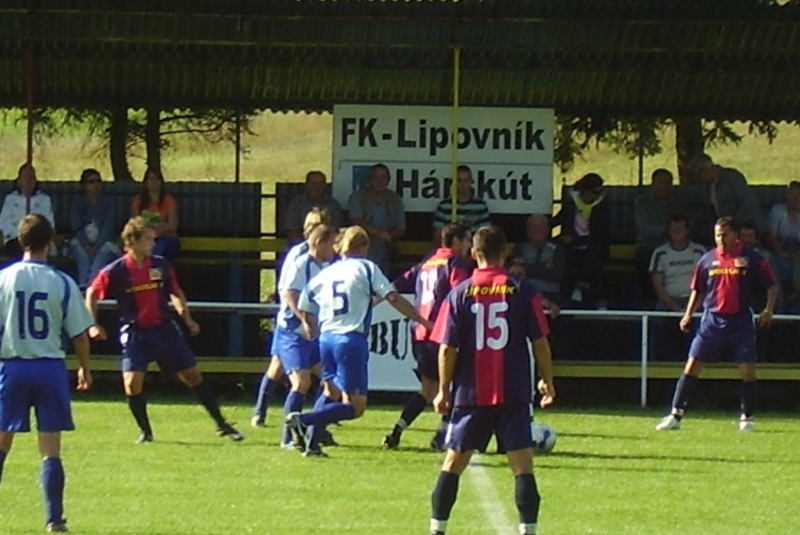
column 6, row 440
column 52, row 478
column 428, row 375
column 743, row 346
column 192, row 378
column 133, row 383
column 514, row 432
column 271, row 378
column 704, row 347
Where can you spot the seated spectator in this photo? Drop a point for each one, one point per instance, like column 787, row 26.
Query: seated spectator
column 159, row 208
column 470, row 210
column 585, row 229
column 93, row 223
column 749, row 236
column 24, row 199
column 652, row 211
column 381, row 213
column 784, row 234
column 314, row 196
column 544, row 260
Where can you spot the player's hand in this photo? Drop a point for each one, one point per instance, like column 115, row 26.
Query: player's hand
column 764, row 319
column 548, row 392
column 194, row 328
column 554, row 309
column 428, row 324
column 84, row 379
column 311, row 331
column 686, row 323
column 441, row 403
column 96, row 332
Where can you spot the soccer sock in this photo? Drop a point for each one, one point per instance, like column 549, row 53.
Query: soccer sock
column 748, row 394
column 3, row 455
column 528, row 500
column 53, row 485
column 442, row 500
column 322, row 400
column 207, row 398
column 262, row 398
column 138, row 406
column 413, row 408
column 683, row 392
column 294, row 402
column 330, row 413
column 314, row 391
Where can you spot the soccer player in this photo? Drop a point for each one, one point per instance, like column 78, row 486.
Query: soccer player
column 299, row 355
column 144, row 285
column 337, row 304
column 725, row 280
column 431, row 281
column 484, row 328
column 37, row 305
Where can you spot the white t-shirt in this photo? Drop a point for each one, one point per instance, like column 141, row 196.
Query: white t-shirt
column 294, row 276
column 677, row 266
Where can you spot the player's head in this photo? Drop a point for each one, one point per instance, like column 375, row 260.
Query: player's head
column 458, row 237
column 317, row 216
column 35, row 233
column 139, row 236
column 321, row 242
column 489, row 246
column 354, row 241
column 725, row 234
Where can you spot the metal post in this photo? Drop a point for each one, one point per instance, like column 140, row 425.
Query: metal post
column 644, row 358
column 454, row 141
column 29, row 68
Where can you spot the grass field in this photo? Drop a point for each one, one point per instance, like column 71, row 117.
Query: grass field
column 610, row 474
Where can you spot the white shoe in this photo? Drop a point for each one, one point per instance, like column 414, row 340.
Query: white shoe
column 669, row 422
column 257, row 421
column 746, row 425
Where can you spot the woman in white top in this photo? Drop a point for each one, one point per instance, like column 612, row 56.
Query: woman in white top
column 23, row 200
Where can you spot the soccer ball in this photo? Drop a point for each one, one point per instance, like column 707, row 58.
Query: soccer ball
column 544, row 437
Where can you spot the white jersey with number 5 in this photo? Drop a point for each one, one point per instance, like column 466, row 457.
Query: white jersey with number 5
column 341, row 295
column 38, row 304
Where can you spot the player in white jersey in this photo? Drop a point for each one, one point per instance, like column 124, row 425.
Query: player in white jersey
column 274, row 373
column 38, row 304
column 337, row 304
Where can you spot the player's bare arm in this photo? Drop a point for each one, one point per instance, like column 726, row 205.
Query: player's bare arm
column 310, row 324
column 695, row 298
column 765, row 317
column 447, row 365
column 292, row 297
column 407, row 309
column 178, row 300
column 80, row 344
column 544, row 366
column 96, row 332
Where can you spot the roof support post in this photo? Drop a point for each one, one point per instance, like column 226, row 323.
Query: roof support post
column 237, row 161
column 454, row 135
column 29, row 75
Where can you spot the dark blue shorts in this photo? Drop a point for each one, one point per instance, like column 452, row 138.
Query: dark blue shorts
column 164, row 344
column 345, row 360
column 427, row 356
column 294, row 351
column 720, row 338
column 471, row 428
column 41, row 384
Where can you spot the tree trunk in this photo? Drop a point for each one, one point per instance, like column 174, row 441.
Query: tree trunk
column 117, row 141
column 152, row 138
column 688, row 144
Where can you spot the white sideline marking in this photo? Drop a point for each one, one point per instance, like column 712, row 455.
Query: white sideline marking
column 494, row 512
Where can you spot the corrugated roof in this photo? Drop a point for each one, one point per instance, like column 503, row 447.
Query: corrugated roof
column 723, row 58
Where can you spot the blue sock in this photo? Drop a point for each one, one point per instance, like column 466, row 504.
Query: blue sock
column 294, row 402
column 53, row 485
column 262, row 398
column 2, row 461
column 330, row 413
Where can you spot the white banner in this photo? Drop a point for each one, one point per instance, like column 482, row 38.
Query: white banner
column 391, row 360
column 510, row 152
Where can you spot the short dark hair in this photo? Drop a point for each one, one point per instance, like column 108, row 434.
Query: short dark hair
column 660, row 171
column 463, row 169
column 490, row 242
column 35, row 233
column 88, row 173
column 451, row 231
column 589, row 182
column 381, row 166
column 726, row 222
column 679, row 218
column 315, row 172
column 750, row 226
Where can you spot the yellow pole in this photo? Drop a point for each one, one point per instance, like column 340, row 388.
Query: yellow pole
column 454, row 140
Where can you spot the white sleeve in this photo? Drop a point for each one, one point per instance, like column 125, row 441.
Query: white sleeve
column 380, row 284
column 7, row 219
column 289, row 272
column 306, row 302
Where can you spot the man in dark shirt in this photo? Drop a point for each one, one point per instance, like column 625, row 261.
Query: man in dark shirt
column 725, row 280
column 485, row 328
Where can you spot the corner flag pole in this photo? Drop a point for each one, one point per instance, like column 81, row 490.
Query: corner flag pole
column 454, row 134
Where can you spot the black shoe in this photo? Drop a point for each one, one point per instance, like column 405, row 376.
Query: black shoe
column 326, row 439
column 227, row 430
column 314, row 452
column 144, row 436
column 390, row 442
column 437, row 442
column 297, row 429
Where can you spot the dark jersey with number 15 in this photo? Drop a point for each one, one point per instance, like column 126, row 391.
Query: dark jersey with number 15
column 491, row 319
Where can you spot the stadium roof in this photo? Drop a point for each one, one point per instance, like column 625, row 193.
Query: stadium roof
column 720, row 58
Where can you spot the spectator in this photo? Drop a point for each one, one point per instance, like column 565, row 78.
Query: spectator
column 24, row 199
column 672, row 266
column 784, row 233
column 470, row 210
column 728, row 194
column 652, row 211
column 160, row 209
column 314, row 196
column 381, row 213
column 749, row 236
column 585, row 229
column 545, row 260
column 92, row 221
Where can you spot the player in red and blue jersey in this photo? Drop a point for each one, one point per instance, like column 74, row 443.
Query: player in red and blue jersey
column 144, row 285
column 484, row 328
column 431, row 280
column 725, row 281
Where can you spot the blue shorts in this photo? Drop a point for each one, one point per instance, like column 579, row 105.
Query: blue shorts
column 345, row 360
column 164, row 344
column 719, row 337
column 39, row 383
column 294, row 351
column 471, row 428
column 427, row 356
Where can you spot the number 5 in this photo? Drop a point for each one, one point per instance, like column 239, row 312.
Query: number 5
column 341, row 305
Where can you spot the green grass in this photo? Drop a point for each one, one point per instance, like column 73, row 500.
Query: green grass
column 610, row 474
